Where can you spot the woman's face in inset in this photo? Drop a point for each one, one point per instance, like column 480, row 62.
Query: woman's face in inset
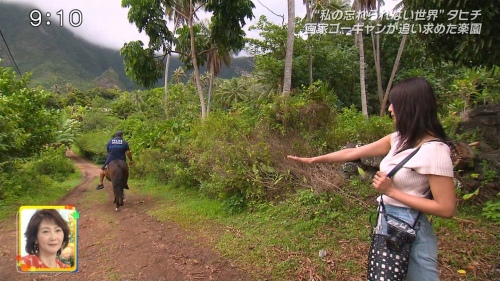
column 50, row 237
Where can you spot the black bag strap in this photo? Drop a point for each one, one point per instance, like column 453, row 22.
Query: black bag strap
column 390, row 175
column 398, row 166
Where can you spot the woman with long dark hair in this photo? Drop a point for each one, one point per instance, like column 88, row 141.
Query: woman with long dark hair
column 413, row 108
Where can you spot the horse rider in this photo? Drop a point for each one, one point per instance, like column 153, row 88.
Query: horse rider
column 117, row 149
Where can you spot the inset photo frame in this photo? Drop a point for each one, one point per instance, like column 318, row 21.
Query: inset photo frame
column 47, row 239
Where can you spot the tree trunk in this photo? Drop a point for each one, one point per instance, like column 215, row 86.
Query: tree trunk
column 195, row 63
column 364, row 106
column 287, row 83
column 394, row 70
column 376, row 54
column 376, row 59
column 210, row 87
column 309, row 45
column 165, row 97
column 167, row 65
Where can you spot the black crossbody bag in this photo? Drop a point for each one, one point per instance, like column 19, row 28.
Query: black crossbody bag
column 389, row 254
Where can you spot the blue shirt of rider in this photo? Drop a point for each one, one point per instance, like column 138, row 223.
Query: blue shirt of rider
column 116, row 149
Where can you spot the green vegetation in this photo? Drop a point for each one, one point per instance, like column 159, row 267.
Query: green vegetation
column 225, row 176
column 33, row 140
column 281, row 241
column 39, row 180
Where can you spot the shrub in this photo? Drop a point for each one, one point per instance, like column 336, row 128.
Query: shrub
column 350, row 125
column 53, row 163
column 161, row 150
column 310, row 112
column 25, row 178
column 229, row 157
column 92, row 145
column 98, row 120
column 123, row 107
column 183, row 102
column 165, row 167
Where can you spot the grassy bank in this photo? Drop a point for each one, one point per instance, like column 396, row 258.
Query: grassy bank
column 281, row 241
column 49, row 194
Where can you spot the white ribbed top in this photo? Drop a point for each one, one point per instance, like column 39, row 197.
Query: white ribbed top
column 433, row 158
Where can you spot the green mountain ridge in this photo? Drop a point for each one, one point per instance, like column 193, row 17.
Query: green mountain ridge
column 56, row 56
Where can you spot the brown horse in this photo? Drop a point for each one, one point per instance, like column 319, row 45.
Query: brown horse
column 117, row 173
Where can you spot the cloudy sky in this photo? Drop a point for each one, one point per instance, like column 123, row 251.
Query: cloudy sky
column 105, row 22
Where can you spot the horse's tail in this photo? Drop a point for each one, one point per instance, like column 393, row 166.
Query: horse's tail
column 120, row 181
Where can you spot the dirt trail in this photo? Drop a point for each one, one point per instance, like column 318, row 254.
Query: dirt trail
column 124, row 245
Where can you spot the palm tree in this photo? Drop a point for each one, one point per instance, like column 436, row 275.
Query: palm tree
column 194, row 59
column 183, row 12
column 362, row 5
column 205, row 79
column 231, row 92
column 178, row 75
column 311, row 7
column 376, row 53
column 56, row 89
column 393, row 74
column 383, row 104
column 216, row 55
column 287, row 83
column 215, row 58
column 309, row 4
column 177, row 12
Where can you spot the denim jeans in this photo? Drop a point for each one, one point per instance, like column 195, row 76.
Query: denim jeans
column 423, row 256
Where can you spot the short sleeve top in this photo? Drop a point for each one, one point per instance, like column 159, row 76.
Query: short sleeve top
column 433, row 158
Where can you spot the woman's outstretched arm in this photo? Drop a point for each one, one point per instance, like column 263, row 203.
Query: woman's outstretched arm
column 377, row 148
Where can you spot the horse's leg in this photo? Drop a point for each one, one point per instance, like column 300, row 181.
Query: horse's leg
column 122, row 197
column 123, row 194
column 117, row 201
column 125, row 174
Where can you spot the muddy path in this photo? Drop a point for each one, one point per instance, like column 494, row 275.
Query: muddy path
column 124, row 245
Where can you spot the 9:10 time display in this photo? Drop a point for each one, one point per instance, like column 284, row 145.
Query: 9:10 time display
column 75, row 18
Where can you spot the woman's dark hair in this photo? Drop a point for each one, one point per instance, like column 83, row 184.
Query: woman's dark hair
column 34, row 224
column 415, row 107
